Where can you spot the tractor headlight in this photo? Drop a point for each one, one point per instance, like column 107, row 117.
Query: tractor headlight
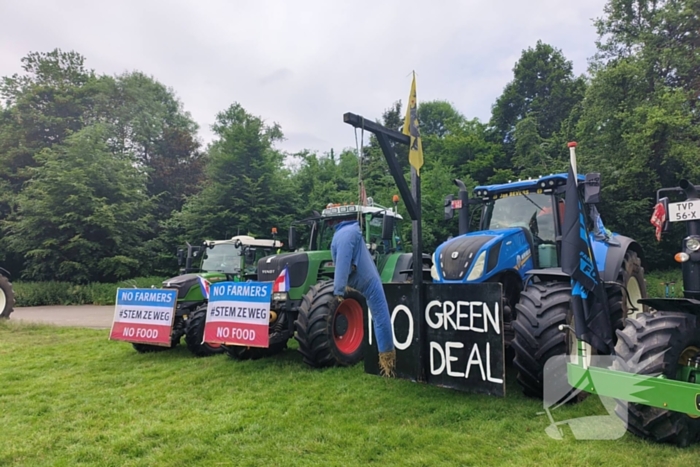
column 279, row 296
column 478, row 268
column 433, row 270
column 693, row 243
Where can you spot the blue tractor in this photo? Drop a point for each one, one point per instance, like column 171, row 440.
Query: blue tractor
column 519, row 245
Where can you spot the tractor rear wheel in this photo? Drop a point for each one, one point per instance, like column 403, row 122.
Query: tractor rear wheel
column 331, row 333
column 542, row 308
column 657, row 344
column 194, row 335
column 7, row 297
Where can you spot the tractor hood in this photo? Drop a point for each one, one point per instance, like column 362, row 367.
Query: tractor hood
column 456, row 258
column 186, row 282
column 297, row 263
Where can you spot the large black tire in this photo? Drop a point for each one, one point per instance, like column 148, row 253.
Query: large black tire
column 542, row 308
column 330, row 334
column 655, row 344
column 194, row 334
column 7, row 297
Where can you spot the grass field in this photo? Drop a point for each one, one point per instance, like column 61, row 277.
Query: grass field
column 71, row 397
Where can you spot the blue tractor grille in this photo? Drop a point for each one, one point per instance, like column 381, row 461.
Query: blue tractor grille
column 457, row 256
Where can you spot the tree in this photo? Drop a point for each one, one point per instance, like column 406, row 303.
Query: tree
column 83, row 214
column 149, row 121
column 639, row 123
column 543, row 87
column 42, row 107
column 245, row 187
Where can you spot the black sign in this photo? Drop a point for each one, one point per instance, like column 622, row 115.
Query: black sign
column 454, row 341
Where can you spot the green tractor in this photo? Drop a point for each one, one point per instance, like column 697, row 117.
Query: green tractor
column 655, row 374
column 303, row 286
column 7, row 295
column 219, row 260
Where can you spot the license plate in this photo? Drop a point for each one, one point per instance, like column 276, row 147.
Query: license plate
column 686, row 211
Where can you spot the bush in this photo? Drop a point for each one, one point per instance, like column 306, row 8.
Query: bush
column 656, row 287
column 65, row 293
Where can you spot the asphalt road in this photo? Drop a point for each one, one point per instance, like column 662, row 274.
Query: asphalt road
column 84, row 316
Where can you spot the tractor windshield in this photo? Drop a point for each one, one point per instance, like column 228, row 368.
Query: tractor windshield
column 224, row 257
column 532, row 211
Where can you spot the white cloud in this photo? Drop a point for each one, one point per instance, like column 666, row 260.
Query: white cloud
column 305, row 63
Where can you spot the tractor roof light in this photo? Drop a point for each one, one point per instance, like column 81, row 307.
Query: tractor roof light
column 681, row 257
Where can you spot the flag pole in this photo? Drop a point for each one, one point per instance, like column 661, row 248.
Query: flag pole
column 572, row 159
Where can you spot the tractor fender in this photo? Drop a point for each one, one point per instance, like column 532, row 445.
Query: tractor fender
column 4, row 272
column 546, row 275
column 615, row 254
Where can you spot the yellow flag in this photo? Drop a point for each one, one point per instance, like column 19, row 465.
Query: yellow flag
column 410, row 128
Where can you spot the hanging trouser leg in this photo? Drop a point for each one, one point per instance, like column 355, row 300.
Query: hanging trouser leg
column 367, row 281
column 348, row 248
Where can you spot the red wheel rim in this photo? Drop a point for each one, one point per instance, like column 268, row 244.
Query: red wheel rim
column 349, row 341
column 214, row 346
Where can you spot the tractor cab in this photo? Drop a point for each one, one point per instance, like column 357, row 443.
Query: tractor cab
column 535, row 207
column 520, row 229
column 378, row 225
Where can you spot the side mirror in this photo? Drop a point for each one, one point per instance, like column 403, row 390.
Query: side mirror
column 449, row 210
column 180, row 256
column 292, row 239
column 387, row 227
column 591, row 189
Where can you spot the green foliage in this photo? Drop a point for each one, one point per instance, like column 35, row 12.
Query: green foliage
column 102, row 177
column 639, row 125
column 83, row 213
column 67, row 293
column 245, row 187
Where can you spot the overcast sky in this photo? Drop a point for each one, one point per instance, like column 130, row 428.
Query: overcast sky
column 303, row 63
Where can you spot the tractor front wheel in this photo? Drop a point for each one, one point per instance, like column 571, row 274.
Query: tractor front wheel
column 7, row 297
column 542, row 308
column 659, row 344
column 331, row 333
column 194, row 335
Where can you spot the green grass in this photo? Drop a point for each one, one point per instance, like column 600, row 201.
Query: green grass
column 71, row 397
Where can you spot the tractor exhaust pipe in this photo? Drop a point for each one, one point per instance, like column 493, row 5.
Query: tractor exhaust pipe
column 464, row 211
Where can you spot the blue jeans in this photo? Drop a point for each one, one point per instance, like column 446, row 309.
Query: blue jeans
column 355, row 268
